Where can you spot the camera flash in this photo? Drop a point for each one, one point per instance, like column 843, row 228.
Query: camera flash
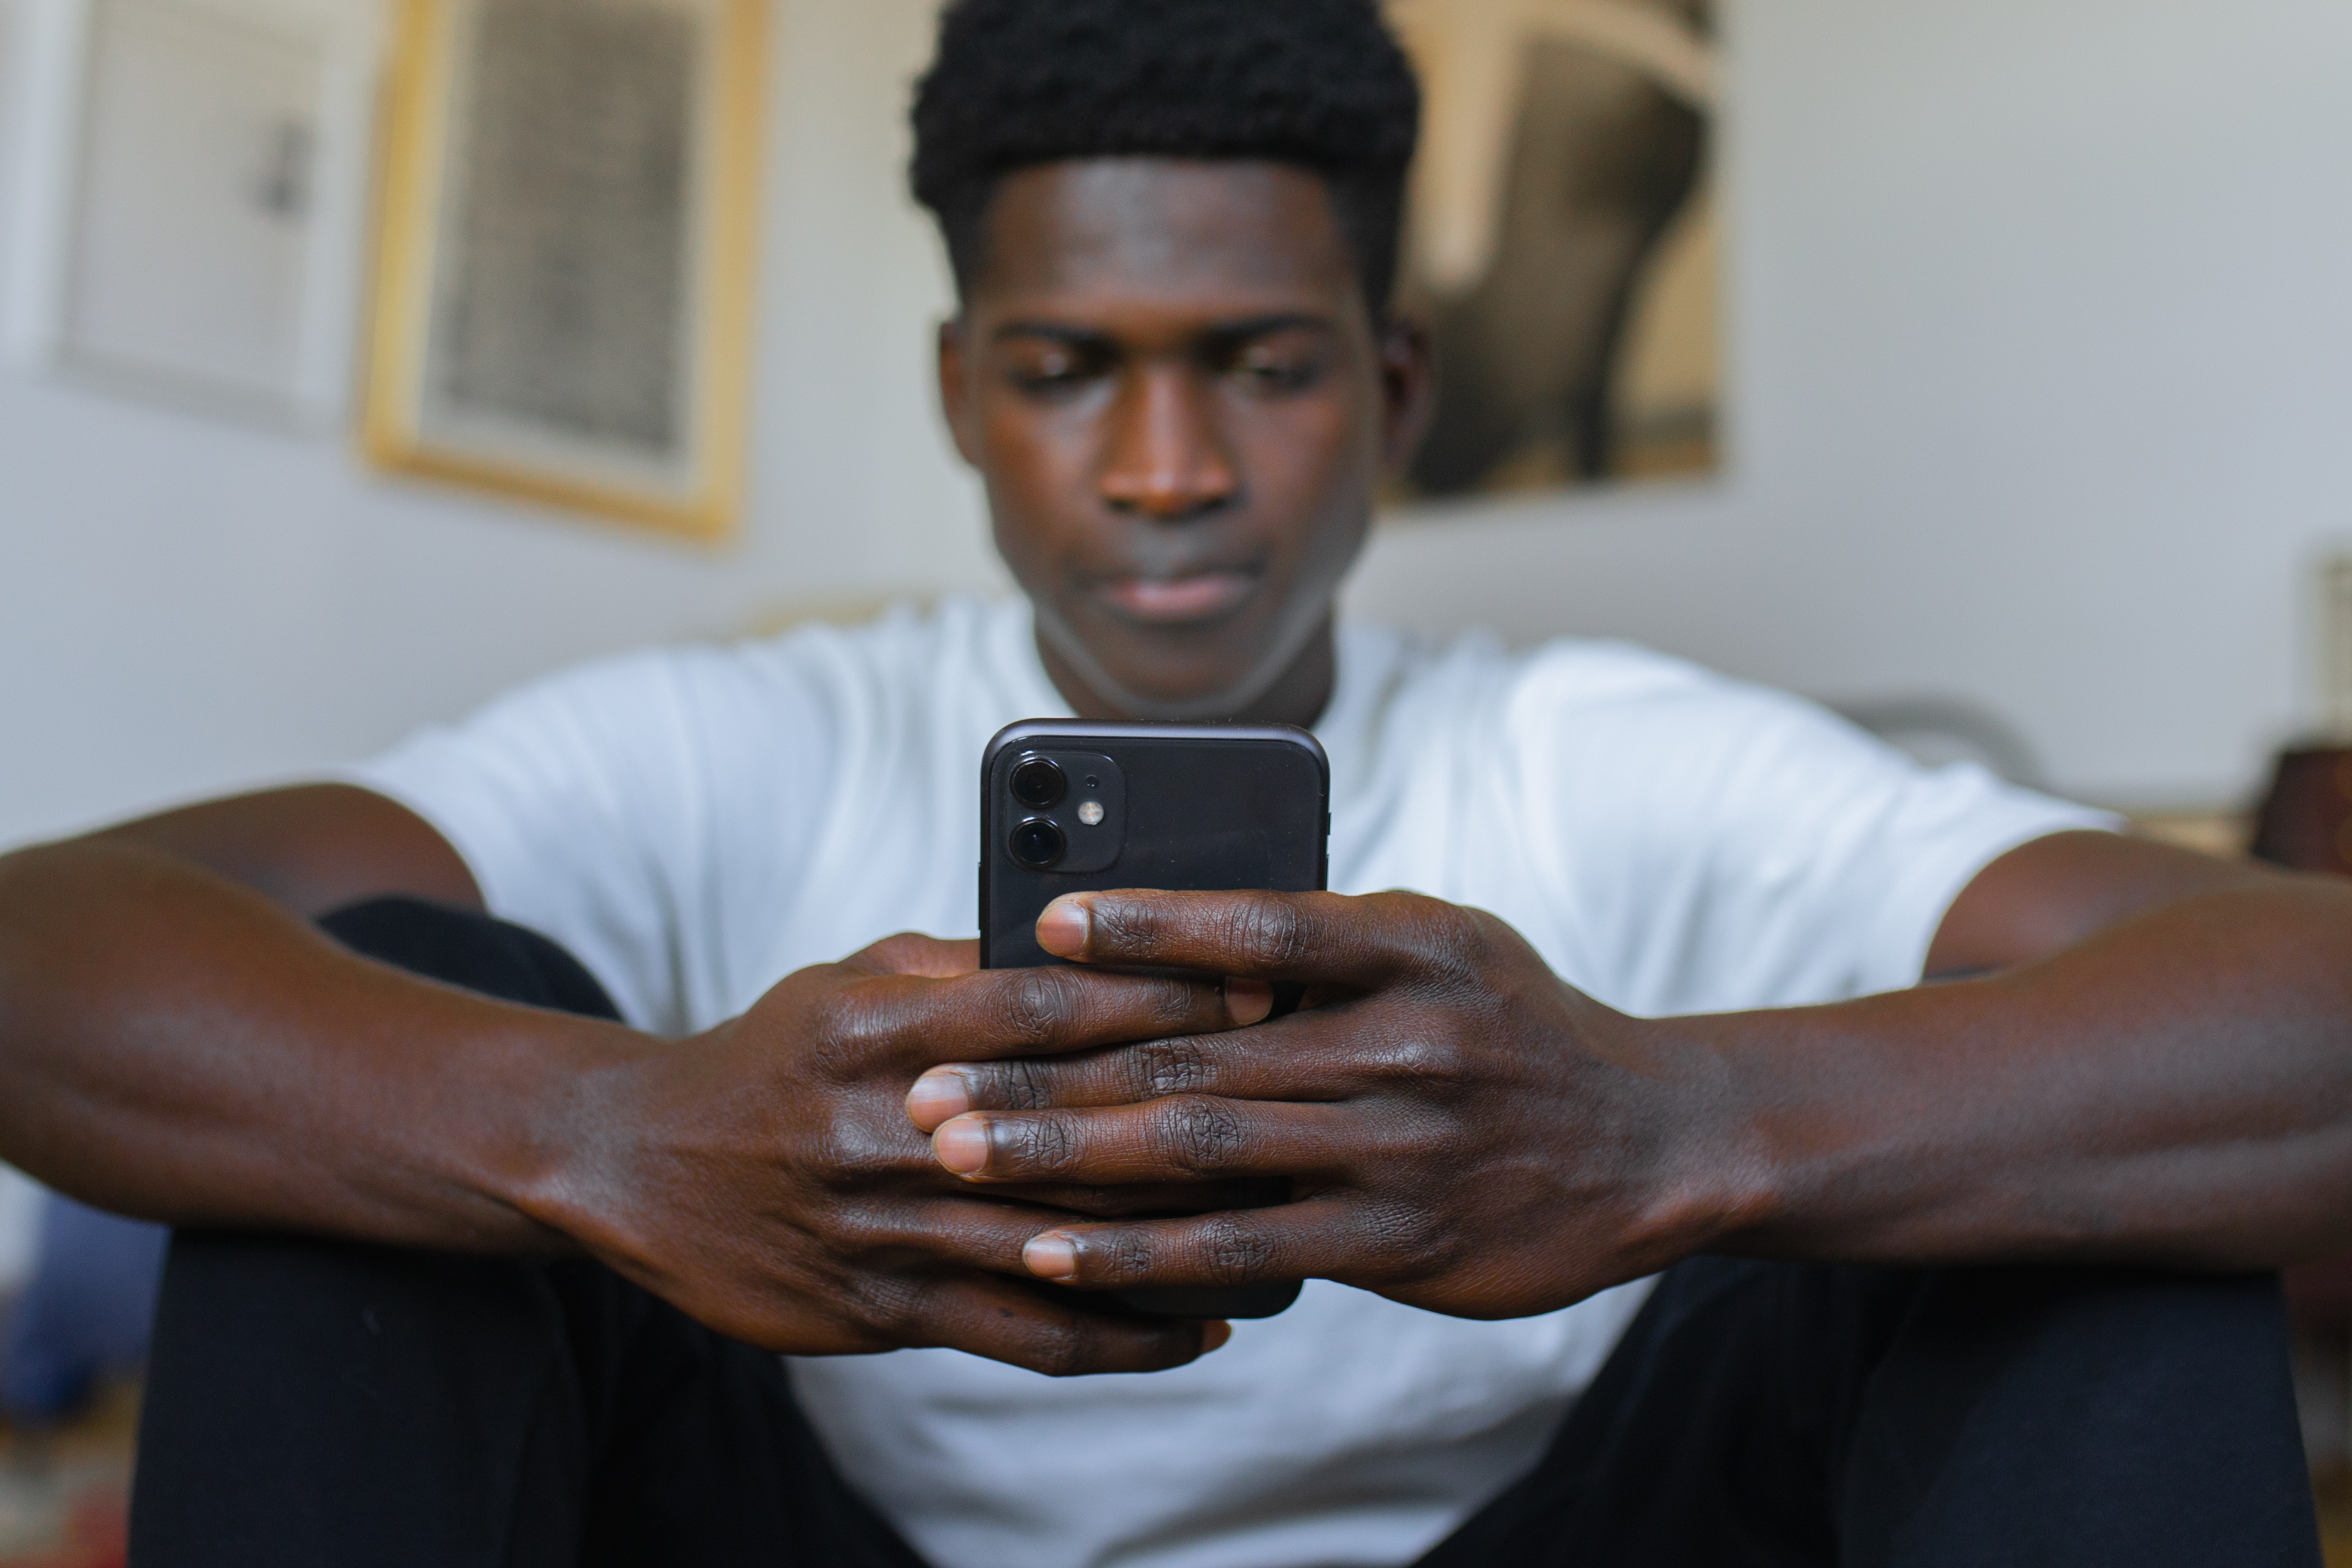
column 1091, row 813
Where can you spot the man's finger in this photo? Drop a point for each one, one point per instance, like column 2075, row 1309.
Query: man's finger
column 1058, row 1335
column 1183, row 1138
column 1153, row 1198
column 902, row 1163
column 1307, row 938
column 1305, row 1057
column 999, row 1012
column 1298, row 1241
column 931, row 957
column 988, row 1306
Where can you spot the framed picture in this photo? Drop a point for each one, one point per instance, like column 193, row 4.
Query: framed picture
column 1562, row 240
column 565, row 268
column 191, row 199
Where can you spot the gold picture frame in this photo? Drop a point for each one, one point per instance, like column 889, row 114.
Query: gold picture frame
column 1563, row 242
column 565, row 251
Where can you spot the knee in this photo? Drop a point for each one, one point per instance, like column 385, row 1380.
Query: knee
column 235, row 1302
column 2120, row 1412
column 470, row 949
column 2122, row 1361
column 2192, row 1325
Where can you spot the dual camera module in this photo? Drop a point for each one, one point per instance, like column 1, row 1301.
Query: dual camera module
column 1039, row 841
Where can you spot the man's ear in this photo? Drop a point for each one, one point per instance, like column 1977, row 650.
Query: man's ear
column 1408, row 389
column 955, row 391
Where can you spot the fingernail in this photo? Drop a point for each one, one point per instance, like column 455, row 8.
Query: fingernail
column 1213, row 1335
column 962, row 1145
column 1062, row 930
column 938, row 1095
column 1052, row 1255
column 1247, row 1001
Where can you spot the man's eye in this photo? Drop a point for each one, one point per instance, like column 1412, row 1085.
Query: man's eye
column 1276, row 373
column 1051, row 373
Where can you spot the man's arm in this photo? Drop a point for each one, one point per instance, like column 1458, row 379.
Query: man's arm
column 2160, row 1070
column 311, row 848
column 2049, row 895
column 178, row 1041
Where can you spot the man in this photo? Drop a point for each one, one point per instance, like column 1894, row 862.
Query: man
column 469, row 1281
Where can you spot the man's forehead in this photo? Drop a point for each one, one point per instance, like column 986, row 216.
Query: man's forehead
column 1167, row 230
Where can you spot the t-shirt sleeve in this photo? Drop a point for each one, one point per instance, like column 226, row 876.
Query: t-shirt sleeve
column 580, row 804
column 1725, row 847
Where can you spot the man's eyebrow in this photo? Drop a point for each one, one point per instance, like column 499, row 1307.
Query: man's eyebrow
column 1240, row 330
column 1229, row 334
column 1076, row 336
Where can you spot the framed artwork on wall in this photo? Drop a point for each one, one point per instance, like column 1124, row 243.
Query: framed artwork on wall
column 566, row 252
column 191, row 199
column 1563, row 240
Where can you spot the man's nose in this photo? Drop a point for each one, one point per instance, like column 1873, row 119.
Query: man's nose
column 1166, row 457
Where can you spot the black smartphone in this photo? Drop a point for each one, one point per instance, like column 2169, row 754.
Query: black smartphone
column 1067, row 806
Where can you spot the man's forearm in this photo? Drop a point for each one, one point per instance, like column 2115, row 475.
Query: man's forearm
column 177, row 1046
column 2177, row 1089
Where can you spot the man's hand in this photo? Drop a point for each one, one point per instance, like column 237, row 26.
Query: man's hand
column 2153, row 1072
column 178, row 1043
column 764, row 1177
column 1462, row 1129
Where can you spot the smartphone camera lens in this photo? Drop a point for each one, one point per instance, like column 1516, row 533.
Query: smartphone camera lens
column 1037, row 784
column 1038, row 844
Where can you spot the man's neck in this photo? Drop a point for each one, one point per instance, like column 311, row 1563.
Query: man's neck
column 1297, row 696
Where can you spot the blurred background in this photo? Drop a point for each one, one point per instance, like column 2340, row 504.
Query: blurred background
column 2038, row 366
column 2029, row 379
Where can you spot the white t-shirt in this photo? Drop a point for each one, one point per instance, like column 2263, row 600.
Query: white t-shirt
column 695, row 823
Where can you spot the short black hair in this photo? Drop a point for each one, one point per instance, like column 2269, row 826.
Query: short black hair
column 1318, row 83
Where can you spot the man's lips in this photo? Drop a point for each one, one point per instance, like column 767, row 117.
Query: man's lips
column 1195, row 597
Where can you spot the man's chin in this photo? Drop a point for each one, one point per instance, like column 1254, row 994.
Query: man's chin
column 1201, row 702
column 1160, row 683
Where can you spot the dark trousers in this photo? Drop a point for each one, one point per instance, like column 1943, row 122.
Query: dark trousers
column 313, row 1402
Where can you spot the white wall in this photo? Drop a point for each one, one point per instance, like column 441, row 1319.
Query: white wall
column 188, row 606
column 2043, row 361
column 2043, row 365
